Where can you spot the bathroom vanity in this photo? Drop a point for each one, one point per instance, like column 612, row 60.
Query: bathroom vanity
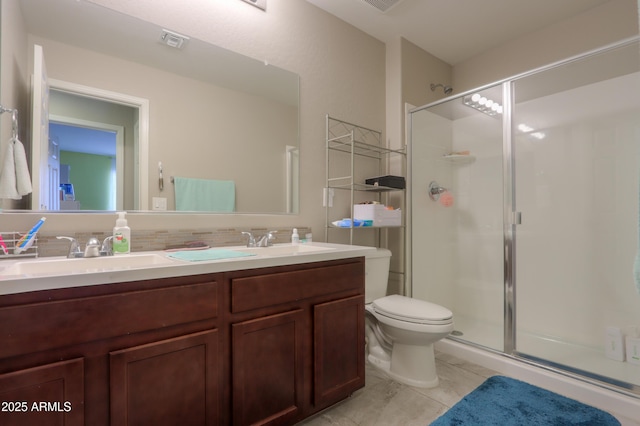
column 260, row 340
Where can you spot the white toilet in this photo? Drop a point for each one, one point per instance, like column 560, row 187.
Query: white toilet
column 400, row 330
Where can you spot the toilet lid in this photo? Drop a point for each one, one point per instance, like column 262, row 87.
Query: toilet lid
column 412, row 310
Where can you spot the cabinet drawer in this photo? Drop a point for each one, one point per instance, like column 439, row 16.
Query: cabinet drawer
column 39, row 326
column 266, row 290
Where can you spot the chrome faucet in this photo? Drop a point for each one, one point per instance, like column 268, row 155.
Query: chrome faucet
column 93, row 247
column 264, row 241
column 74, row 248
column 107, row 246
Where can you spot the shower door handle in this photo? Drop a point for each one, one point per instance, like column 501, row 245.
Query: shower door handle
column 517, row 218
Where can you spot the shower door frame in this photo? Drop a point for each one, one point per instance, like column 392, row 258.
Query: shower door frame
column 511, row 219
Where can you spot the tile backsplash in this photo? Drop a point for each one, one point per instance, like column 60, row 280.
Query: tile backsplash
column 49, row 245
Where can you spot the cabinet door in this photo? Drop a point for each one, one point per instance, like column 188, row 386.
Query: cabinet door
column 51, row 394
column 171, row 382
column 267, row 377
column 338, row 349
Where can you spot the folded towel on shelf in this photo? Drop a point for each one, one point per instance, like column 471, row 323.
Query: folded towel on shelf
column 15, row 181
column 205, row 195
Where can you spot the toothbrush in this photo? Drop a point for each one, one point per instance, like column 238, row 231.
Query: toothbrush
column 25, row 242
column 3, row 245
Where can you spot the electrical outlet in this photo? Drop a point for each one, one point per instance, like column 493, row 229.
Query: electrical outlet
column 614, row 343
column 633, row 350
column 159, row 203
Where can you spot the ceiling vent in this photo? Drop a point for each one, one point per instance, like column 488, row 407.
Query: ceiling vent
column 382, row 5
column 173, row 39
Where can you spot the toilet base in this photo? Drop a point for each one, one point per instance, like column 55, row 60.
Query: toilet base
column 413, row 365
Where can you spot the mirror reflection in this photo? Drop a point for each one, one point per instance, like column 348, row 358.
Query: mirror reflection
column 215, row 122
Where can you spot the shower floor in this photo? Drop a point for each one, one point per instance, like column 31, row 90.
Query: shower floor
column 572, row 357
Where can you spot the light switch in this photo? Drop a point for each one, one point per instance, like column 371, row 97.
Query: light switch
column 159, row 203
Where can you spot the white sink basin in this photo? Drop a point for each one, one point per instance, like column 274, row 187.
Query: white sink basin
column 85, row 265
column 284, row 250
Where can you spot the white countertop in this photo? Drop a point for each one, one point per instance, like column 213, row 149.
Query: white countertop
column 80, row 276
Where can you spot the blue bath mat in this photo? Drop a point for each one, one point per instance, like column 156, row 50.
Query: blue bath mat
column 505, row 401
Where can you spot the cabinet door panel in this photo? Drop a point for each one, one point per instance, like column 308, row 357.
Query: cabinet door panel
column 268, row 369
column 175, row 381
column 338, row 349
column 51, row 394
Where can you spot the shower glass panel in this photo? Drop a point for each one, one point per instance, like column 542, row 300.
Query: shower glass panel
column 576, row 145
column 536, row 255
column 457, row 250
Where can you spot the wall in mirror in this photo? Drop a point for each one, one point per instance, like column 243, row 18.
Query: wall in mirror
column 214, row 115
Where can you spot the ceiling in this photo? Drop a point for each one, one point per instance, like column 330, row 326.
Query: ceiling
column 454, row 30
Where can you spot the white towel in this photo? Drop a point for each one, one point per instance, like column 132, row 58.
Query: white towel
column 15, row 181
column 23, row 179
column 8, row 187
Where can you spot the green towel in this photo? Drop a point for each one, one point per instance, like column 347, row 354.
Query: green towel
column 205, row 195
column 211, row 254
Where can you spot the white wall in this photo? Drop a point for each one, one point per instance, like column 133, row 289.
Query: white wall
column 597, row 27
column 457, row 251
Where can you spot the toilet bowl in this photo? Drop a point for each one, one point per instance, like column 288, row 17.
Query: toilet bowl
column 401, row 331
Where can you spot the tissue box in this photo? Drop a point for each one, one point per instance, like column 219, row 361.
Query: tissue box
column 380, row 215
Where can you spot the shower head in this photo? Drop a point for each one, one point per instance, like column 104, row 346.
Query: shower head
column 446, row 89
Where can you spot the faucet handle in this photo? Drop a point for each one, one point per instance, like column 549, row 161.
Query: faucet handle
column 271, row 237
column 107, row 246
column 74, row 248
column 267, row 239
column 251, row 242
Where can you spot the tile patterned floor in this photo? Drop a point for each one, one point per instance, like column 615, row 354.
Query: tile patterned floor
column 384, row 402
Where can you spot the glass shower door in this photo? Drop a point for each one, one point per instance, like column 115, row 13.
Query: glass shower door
column 576, row 144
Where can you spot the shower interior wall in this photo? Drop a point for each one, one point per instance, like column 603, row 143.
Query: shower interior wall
column 457, row 250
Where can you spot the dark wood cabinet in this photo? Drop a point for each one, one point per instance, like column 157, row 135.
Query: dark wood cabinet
column 50, row 394
column 259, row 346
column 338, row 355
column 174, row 381
column 268, row 369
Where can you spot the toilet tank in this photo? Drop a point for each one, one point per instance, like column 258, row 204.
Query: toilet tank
column 376, row 274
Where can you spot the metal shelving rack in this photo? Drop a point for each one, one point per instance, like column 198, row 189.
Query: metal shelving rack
column 357, row 143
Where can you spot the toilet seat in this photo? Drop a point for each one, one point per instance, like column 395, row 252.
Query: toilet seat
column 417, row 311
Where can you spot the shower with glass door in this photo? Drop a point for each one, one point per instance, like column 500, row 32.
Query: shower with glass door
column 534, row 249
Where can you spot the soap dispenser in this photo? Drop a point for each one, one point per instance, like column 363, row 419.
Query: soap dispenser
column 295, row 238
column 121, row 235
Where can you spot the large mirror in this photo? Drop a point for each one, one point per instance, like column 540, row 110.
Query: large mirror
column 138, row 123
